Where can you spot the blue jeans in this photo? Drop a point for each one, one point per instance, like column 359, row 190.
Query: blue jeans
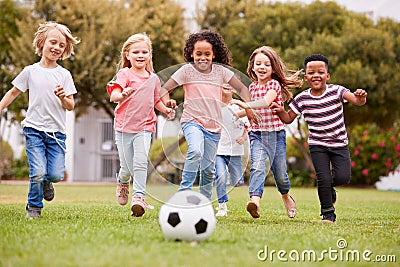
column 202, row 150
column 46, row 157
column 273, row 146
column 227, row 166
column 133, row 151
column 332, row 167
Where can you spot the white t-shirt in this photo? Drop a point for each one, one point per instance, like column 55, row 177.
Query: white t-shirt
column 232, row 129
column 45, row 111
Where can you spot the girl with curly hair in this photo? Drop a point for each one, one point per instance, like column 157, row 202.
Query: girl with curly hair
column 202, row 78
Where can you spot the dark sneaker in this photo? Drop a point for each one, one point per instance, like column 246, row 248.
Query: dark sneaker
column 33, row 212
column 48, row 191
column 122, row 193
column 329, row 217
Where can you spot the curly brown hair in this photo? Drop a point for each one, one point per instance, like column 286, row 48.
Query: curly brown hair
column 221, row 52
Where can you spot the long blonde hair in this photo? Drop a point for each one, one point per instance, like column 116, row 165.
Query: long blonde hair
column 280, row 71
column 41, row 35
column 136, row 38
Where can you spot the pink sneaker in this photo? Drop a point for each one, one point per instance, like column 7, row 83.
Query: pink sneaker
column 122, row 193
column 138, row 206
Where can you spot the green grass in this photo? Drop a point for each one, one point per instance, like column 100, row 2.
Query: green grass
column 84, row 226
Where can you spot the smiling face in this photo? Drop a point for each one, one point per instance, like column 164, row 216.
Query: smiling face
column 262, row 68
column 203, row 56
column 139, row 55
column 316, row 76
column 54, row 46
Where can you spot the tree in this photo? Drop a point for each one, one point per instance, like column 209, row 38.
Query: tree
column 103, row 26
column 368, row 59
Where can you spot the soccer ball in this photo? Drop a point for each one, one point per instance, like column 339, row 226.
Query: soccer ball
column 187, row 216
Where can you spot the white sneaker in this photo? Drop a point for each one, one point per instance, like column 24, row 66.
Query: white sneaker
column 222, row 210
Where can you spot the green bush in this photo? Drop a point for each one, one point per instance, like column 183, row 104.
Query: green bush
column 21, row 167
column 6, row 161
column 161, row 144
column 374, row 152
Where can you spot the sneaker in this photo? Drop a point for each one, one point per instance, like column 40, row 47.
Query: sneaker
column 33, row 212
column 122, row 193
column 48, row 191
column 222, row 210
column 138, row 206
column 253, row 209
column 329, row 217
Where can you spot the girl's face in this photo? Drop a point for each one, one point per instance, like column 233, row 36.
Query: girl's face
column 139, row 55
column 316, row 76
column 262, row 68
column 203, row 56
column 54, row 45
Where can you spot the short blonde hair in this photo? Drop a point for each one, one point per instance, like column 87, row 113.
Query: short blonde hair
column 136, row 38
column 41, row 35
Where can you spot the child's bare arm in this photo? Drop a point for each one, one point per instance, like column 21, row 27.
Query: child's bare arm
column 67, row 102
column 359, row 97
column 285, row 116
column 9, row 97
column 170, row 112
column 168, row 87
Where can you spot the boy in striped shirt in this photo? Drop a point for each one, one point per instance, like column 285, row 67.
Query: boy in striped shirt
column 322, row 108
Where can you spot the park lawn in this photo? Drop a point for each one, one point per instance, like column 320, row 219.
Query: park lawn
column 84, row 226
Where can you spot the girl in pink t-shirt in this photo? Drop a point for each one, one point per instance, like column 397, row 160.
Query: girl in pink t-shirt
column 137, row 91
column 201, row 120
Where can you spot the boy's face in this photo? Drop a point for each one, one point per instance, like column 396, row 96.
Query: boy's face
column 54, row 45
column 316, row 75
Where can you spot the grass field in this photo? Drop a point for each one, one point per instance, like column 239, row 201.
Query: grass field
column 84, row 226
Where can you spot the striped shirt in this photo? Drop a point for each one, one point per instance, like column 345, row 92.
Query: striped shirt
column 324, row 115
column 269, row 122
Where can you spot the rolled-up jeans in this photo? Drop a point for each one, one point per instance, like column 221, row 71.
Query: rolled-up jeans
column 46, row 158
column 271, row 145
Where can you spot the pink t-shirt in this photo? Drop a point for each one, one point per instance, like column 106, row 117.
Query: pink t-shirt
column 136, row 113
column 202, row 102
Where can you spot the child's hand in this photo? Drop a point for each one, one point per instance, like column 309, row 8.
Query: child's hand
column 360, row 93
column 59, row 91
column 170, row 114
column 253, row 117
column 171, row 103
column 238, row 102
column 240, row 140
column 128, row 91
column 275, row 107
